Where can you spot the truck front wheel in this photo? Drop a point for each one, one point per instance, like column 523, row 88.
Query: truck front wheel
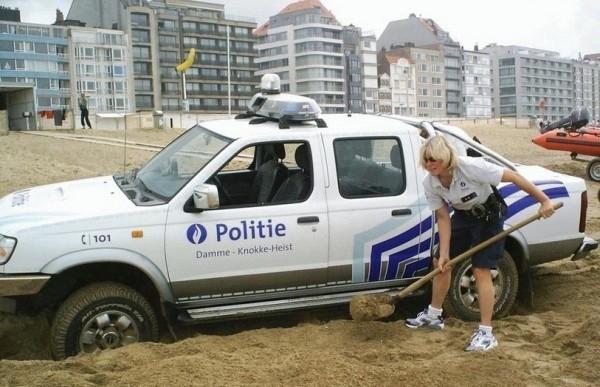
column 101, row 316
column 462, row 300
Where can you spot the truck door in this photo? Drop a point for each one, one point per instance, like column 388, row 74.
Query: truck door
column 380, row 225
column 276, row 245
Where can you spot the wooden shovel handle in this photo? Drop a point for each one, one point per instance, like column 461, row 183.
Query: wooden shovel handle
column 423, row 280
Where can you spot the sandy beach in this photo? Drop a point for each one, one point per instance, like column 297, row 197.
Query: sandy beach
column 556, row 342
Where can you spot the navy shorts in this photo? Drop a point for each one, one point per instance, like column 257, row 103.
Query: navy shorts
column 468, row 232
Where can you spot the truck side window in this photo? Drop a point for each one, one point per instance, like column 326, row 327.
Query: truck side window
column 265, row 173
column 368, row 167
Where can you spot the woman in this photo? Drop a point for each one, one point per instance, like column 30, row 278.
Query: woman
column 465, row 184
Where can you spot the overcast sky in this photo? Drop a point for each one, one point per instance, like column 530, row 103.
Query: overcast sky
column 569, row 27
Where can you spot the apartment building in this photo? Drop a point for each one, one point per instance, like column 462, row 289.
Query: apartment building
column 477, row 84
column 427, row 34
column 162, row 34
column 101, row 69
column 522, row 77
column 417, row 80
column 34, row 71
column 303, row 45
column 397, row 84
column 384, row 92
column 586, row 85
column 361, row 70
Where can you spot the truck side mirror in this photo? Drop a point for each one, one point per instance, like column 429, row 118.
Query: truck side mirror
column 206, row 197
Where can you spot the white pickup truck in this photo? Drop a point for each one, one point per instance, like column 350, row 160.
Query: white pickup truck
column 276, row 210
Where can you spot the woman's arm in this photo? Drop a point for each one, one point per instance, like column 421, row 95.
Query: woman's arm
column 443, row 222
column 546, row 209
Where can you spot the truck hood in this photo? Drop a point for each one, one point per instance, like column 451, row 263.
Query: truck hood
column 54, row 203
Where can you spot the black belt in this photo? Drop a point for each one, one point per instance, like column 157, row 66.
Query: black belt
column 491, row 209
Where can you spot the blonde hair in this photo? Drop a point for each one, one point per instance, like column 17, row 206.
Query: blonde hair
column 439, row 148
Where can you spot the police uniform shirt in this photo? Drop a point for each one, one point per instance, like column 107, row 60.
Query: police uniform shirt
column 470, row 184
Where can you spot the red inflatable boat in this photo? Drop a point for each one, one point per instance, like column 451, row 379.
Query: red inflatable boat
column 574, row 135
column 583, row 141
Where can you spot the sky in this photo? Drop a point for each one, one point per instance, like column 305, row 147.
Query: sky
column 567, row 27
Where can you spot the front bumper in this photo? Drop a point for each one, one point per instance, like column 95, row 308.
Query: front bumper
column 587, row 245
column 21, row 285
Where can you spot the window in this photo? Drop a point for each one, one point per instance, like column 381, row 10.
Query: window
column 140, row 19
column 368, row 167
column 140, row 35
column 143, row 85
column 266, row 174
column 144, row 101
column 119, row 71
column 140, row 52
column 142, row 68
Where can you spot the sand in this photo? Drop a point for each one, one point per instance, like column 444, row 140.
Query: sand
column 555, row 342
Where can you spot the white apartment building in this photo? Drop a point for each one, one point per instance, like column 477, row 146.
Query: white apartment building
column 101, row 69
column 477, row 85
column 586, row 86
column 368, row 55
column 303, row 45
column 417, row 80
column 402, row 81
column 522, row 77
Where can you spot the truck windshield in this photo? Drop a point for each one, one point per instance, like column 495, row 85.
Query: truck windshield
column 180, row 161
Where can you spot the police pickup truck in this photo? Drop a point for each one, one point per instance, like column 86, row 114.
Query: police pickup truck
column 278, row 209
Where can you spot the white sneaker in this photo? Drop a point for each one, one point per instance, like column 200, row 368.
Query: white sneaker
column 481, row 341
column 424, row 321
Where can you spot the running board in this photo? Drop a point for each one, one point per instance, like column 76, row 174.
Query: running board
column 224, row 312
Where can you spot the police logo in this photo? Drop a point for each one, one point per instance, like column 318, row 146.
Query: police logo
column 196, row 234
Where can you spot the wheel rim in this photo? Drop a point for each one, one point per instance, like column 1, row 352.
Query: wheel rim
column 110, row 329
column 467, row 288
column 595, row 171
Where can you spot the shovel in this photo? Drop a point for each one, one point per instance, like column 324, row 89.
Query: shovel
column 375, row 306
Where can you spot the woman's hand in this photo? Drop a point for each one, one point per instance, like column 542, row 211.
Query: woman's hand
column 546, row 209
column 441, row 263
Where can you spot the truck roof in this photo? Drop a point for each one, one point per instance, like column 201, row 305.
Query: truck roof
column 342, row 124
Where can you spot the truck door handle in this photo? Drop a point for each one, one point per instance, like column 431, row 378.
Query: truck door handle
column 401, row 212
column 308, row 219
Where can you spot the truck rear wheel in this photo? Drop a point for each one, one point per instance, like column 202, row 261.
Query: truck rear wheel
column 102, row 316
column 462, row 299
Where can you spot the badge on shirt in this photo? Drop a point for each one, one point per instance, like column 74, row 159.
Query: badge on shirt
column 471, row 196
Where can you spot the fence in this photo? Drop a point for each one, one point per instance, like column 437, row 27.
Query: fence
column 182, row 120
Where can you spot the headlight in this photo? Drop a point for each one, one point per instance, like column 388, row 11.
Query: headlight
column 7, row 246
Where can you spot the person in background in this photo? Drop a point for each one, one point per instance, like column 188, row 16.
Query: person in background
column 465, row 183
column 83, row 106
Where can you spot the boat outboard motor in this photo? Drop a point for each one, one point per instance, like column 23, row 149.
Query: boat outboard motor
column 579, row 118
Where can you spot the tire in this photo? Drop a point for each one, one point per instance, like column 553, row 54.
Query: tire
column 593, row 169
column 101, row 316
column 461, row 301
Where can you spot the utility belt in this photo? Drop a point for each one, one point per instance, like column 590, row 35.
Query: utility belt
column 493, row 208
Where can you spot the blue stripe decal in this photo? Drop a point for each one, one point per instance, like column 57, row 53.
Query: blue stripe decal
column 528, row 201
column 378, row 249
column 412, row 265
column 366, row 238
column 415, row 260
